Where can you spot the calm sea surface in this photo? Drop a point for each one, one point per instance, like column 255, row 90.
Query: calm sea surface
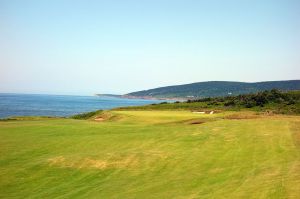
column 59, row 105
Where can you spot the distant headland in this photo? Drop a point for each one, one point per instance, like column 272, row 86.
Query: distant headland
column 208, row 89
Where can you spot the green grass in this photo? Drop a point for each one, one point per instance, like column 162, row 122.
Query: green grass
column 152, row 154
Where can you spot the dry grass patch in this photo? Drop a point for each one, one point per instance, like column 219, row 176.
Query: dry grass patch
column 216, row 170
column 130, row 161
column 242, row 116
column 106, row 116
column 295, row 128
column 89, row 163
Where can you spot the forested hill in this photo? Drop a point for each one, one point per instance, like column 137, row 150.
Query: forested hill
column 215, row 89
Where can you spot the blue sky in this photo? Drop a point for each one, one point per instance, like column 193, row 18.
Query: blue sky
column 87, row 47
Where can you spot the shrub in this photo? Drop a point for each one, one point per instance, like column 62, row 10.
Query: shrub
column 163, row 103
column 249, row 104
column 84, row 116
column 229, row 103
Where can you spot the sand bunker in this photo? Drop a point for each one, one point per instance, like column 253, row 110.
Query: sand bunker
column 99, row 119
column 204, row 112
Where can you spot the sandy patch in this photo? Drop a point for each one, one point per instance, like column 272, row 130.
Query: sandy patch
column 203, row 112
column 199, row 112
column 99, row 119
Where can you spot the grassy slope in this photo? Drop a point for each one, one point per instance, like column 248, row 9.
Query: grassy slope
column 151, row 154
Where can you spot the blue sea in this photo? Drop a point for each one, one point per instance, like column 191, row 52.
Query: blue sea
column 60, row 105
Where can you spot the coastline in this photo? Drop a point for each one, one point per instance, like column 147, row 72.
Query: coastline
column 143, row 97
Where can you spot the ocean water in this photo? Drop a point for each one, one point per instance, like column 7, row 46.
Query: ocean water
column 60, row 105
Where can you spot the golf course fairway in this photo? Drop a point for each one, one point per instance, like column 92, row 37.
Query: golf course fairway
column 151, row 154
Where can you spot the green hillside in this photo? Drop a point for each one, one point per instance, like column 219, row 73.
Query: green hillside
column 216, row 88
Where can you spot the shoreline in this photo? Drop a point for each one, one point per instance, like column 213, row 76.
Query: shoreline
column 143, row 97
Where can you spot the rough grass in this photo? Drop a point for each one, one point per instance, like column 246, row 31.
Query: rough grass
column 151, row 154
column 88, row 115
